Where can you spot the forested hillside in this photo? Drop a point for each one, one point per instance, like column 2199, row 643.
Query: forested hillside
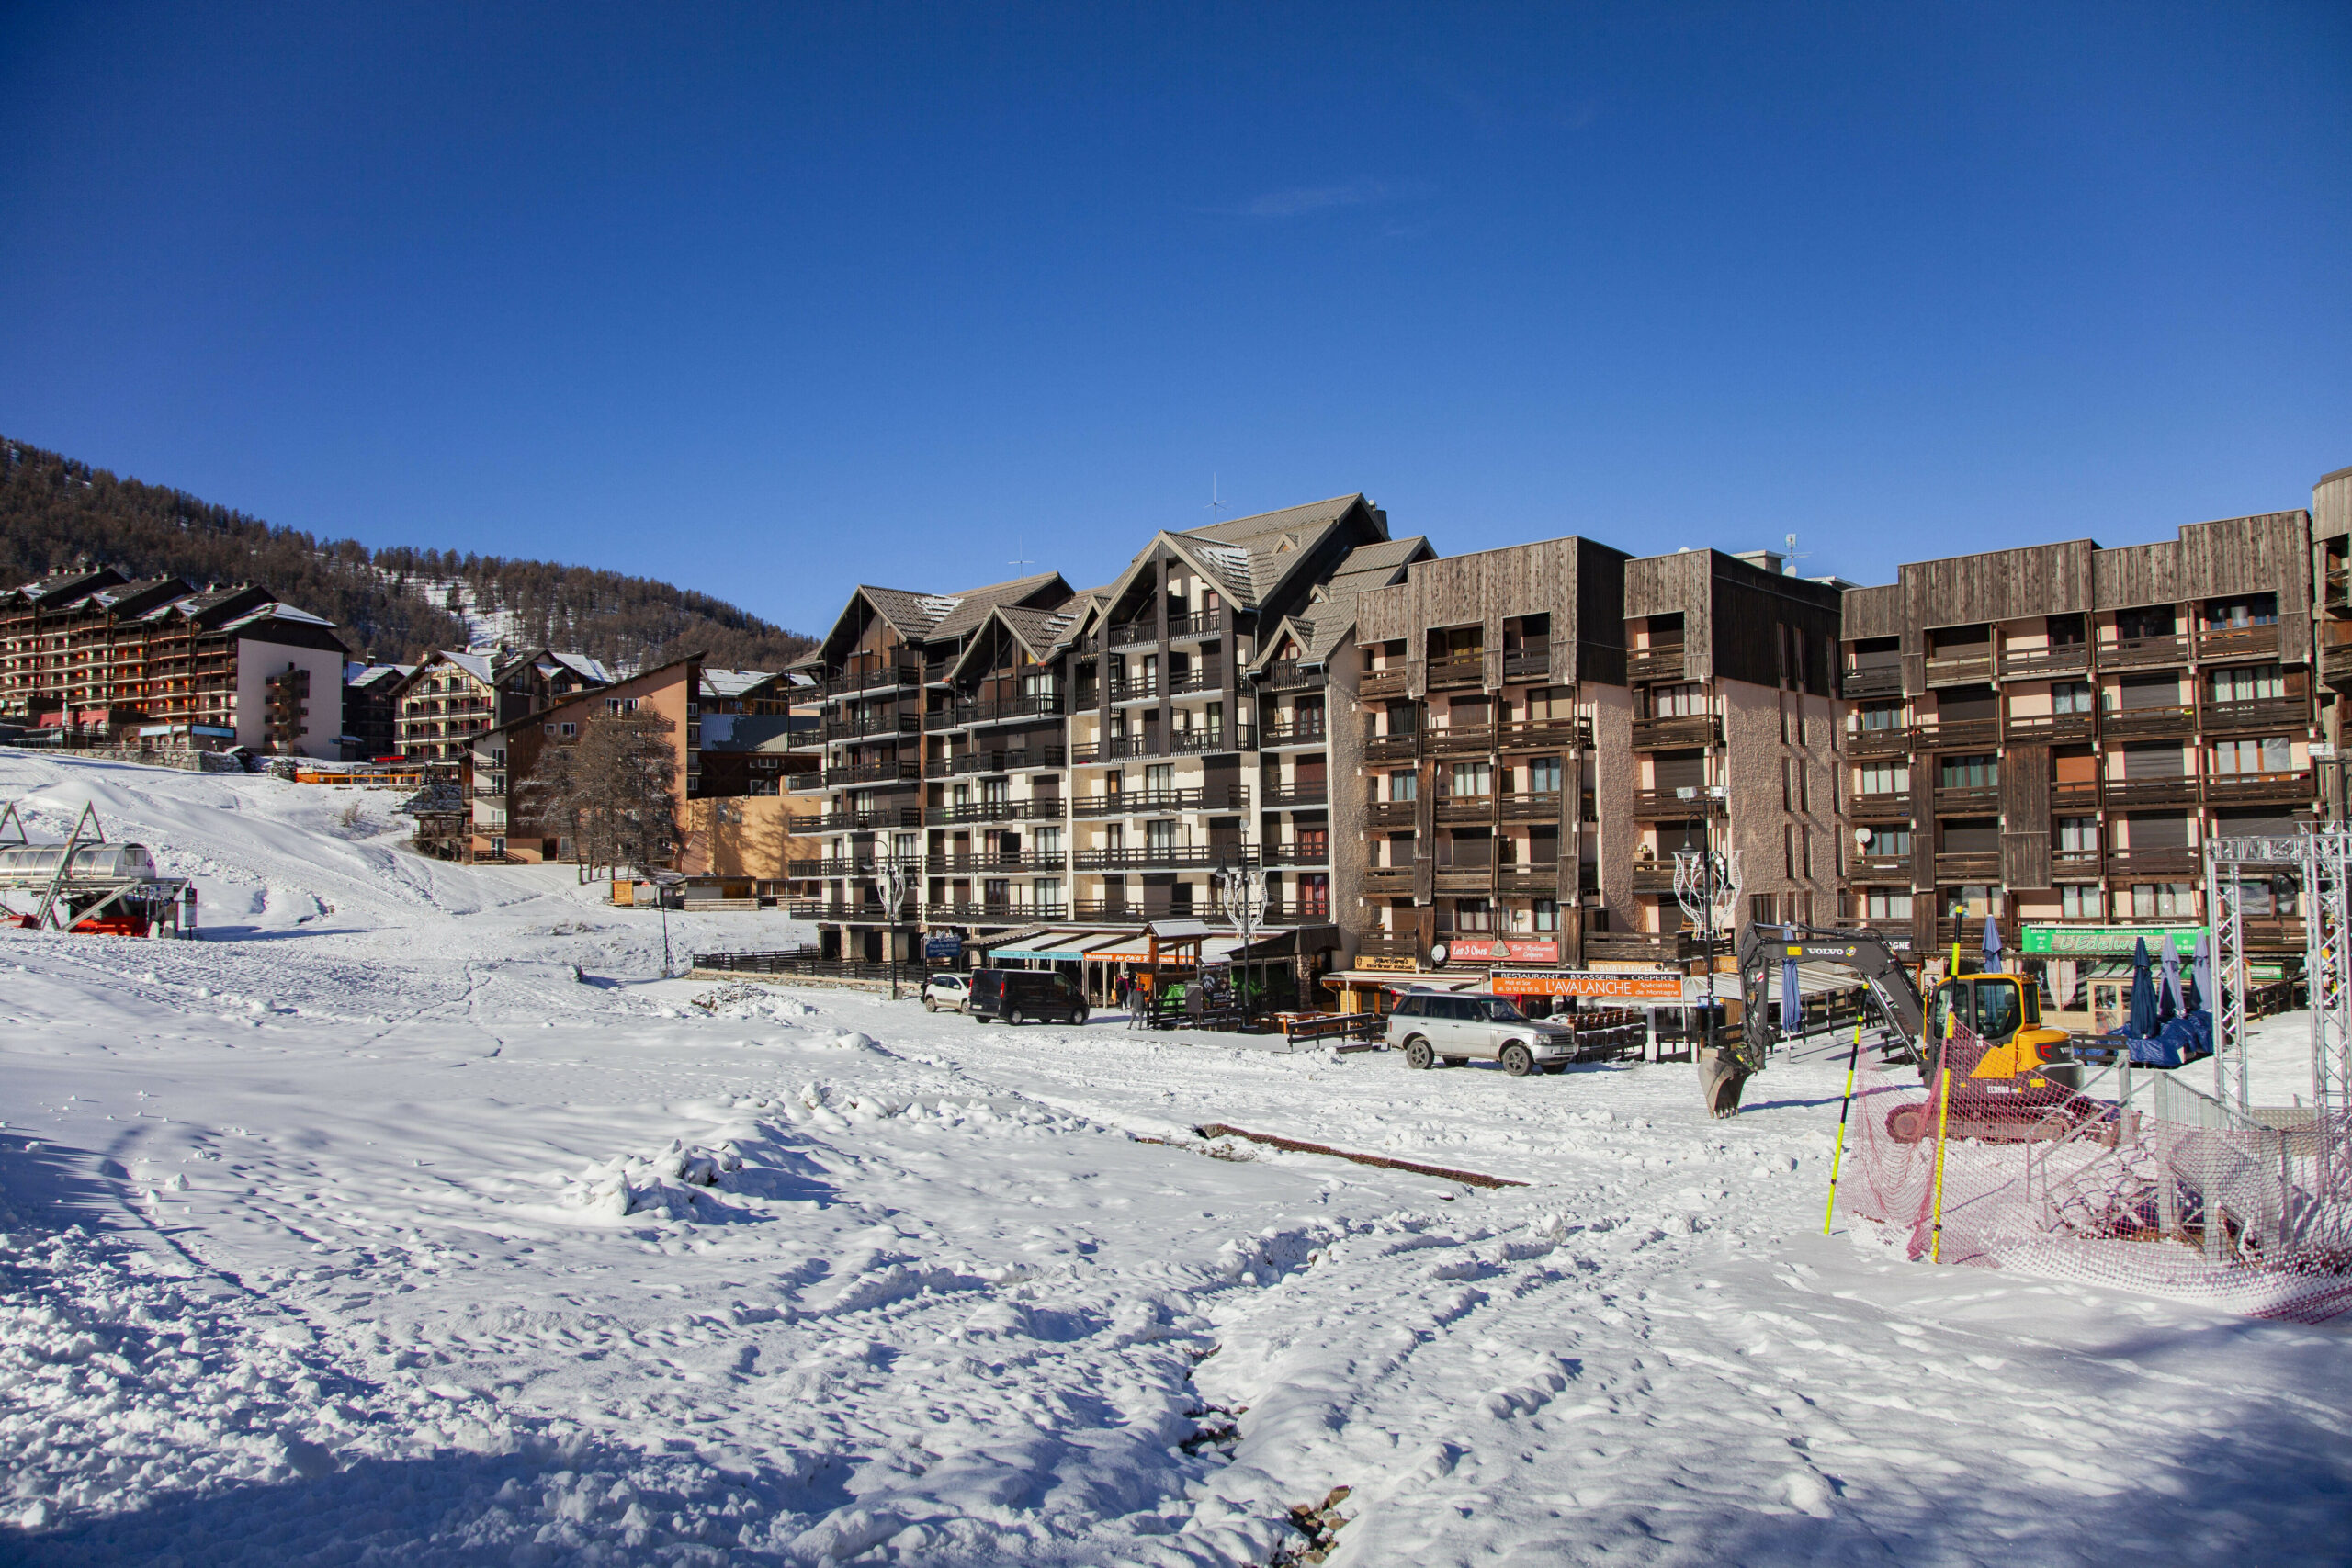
column 392, row 603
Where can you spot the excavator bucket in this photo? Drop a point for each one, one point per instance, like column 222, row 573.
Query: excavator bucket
column 1721, row 1078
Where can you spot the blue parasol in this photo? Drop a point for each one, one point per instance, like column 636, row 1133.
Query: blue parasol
column 1992, row 945
column 1792, row 1004
column 2143, row 1021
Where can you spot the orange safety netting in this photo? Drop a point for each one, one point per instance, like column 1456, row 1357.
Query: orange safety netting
column 2170, row 1192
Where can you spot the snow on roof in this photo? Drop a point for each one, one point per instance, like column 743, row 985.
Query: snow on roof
column 732, row 682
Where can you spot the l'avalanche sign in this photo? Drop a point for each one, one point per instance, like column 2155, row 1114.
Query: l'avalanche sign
column 1635, row 985
column 2105, row 942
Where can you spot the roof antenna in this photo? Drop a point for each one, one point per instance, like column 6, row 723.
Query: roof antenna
column 1792, row 554
column 1214, row 504
column 1021, row 548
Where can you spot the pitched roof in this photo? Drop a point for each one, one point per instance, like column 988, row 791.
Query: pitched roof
column 733, row 683
column 1251, row 558
column 1324, row 624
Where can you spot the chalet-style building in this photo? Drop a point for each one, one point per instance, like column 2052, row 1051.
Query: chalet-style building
column 454, row 695
column 500, row 760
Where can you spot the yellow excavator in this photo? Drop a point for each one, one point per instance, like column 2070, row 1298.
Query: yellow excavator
column 2010, row 1072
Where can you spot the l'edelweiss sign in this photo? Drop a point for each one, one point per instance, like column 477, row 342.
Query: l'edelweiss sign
column 1659, row 986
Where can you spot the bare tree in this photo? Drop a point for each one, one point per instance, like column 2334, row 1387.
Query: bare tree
column 612, row 790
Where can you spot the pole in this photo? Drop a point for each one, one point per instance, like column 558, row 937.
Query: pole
column 666, row 965
column 1838, row 1158
column 1943, row 1112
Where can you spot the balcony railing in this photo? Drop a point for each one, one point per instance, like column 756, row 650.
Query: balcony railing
column 872, row 774
column 1134, row 634
column 2150, row 792
column 1379, row 943
column 1292, row 912
column 1390, row 814
column 897, row 674
column 1290, row 796
column 1137, row 801
column 1167, row 857
column 1199, row 678
column 1888, row 742
column 2178, row 719
column 995, row 911
column 2042, row 663
column 1395, row 681
column 2238, row 642
column 1660, row 663
column 1296, row 853
column 1047, row 808
column 1959, row 669
column 1461, row 669
column 1545, row 735
column 995, row 710
column 1388, row 881
column 2131, row 652
column 872, row 914
column 1870, row 681
column 845, row 865
column 1672, row 803
column 2235, row 789
column 1530, row 660
column 1195, row 741
column 2074, row 865
column 865, row 821
column 1880, row 805
column 1460, row 738
column 1464, row 808
column 844, row 726
column 1529, row 806
column 2172, row 864
column 2073, row 798
column 1026, row 861
column 1880, row 868
column 1954, row 734
column 1974, row 865
column 1134, row 911
column 1674, row 734
column 1529, row 881
column 1293, row 732
column 1672, row 947
column 1136, row 689
column 1289, row 675
column 1009, row 762
column 2264, row 713
column 1968, row 800
column 1197, row 623
column 2047, row 728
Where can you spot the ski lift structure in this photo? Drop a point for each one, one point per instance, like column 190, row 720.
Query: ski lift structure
column 87, row 885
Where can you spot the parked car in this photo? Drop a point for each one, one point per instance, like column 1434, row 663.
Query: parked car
column 1454, row 1028
column 949, row 991
column 1019, row 996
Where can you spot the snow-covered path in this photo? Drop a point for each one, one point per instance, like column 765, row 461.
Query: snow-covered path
column 364, row 1226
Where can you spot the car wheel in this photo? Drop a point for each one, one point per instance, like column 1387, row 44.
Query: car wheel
column 1077, row 1017
column 1418, row 1055
column 1518, row 1060
column 930, row 1006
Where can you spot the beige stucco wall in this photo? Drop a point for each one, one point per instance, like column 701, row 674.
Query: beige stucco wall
column 256, row 661
column 749, row 835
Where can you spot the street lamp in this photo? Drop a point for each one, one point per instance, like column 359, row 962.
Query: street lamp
column 1242, row 895
column 893, row 876
column 1706, row 883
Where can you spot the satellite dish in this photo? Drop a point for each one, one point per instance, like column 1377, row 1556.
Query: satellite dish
column 1862, row 837
column 1439, row 954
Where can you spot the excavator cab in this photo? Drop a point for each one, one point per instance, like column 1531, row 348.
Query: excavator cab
column 2005, row 1013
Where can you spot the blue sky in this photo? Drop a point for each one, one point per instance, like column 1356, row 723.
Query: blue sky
column 770, row 301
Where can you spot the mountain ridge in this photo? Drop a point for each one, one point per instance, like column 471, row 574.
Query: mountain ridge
column 392, row 604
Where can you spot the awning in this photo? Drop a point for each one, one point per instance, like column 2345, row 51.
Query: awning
column 1179, row 930
column 1137, row 950
column 1054, row 946
column 1398, row 980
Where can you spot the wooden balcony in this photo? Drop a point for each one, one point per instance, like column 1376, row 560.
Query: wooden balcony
column 1651, row 804
column 1957, row 735
column 1389, row 750
column 867, row 821
column 2074, row 865
column 1010, row 761
column 2275, row 714
column 1892, row 742
column 2141, row 652
column 1388, row 881
column 1870, row 681
column 2335, row 663
column 1395, row 681
column 995, row 912
column 2047, row 728
column 1165, row 857
column 1653, row 876
column 1289, row 732
column 1289, row 675
column 1468, row 669
column 1296, row 854
column 892, row 774
column 994, row 710
column 1532, row 882
column 1530, row 660
column 1665, row 663
column 854, row 726
column 1545, row 735
column 2172, row 865
column 1960, row 670
column 2136, row 794
column 904, row 673
column 1295, row 912
column 1391, row 815
column 2045, row 663
column 1968, row 800
column 1026, row 863
column 1459, row 738
column 2295, row 788
column 1380, row 944
column 1291, row 796
column 1046, row 809
column 1888, row 805
column 1975, row 866
column 1459, row 881
column 2073, row 798
column 1139, row 802
column 1880, row 869
column 1677, row 734
column 2226, row 643
column 1466, row 808
column 2130, row 724
column 1668, row 950
column 1530, row 805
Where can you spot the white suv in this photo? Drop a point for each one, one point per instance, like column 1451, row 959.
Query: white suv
column 1435, row 1026
column 953, row 992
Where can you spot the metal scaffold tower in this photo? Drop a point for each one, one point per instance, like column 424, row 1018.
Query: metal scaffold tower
column 2321, row 860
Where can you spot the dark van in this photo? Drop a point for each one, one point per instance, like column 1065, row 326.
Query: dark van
column 1017, row 996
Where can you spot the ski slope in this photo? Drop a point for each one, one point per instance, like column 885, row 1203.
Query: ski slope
column 411, row 1216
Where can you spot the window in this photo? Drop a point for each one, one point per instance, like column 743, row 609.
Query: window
column 621, row 704
column 1160, row 776
column 1543, row 775
column 1893, row 841
column 1048, row 841
column 1160, row 836
column 2272, row 755
column 1969, row 773
column 2249, row 683
column 2072, row 696
column 566, row 731
column 2078, row 835
column 1681, row 701
column 2246, row 610
column 1473, row 778
column 1886, row 904
column 2161, row 901
column 1883, row 778
column 1404, row 786
column 694, row 783
column 2079, row 904
column 1474, row 914
column 1046, row 892
column 1547, row 914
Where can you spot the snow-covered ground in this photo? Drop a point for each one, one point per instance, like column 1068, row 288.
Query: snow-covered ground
column 412, row 1217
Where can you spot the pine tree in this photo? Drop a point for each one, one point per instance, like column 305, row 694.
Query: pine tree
column 611, row 789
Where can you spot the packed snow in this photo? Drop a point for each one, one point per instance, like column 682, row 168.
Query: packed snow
column 414, row 1217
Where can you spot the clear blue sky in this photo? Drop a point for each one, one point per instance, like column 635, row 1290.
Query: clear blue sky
column 770, row 301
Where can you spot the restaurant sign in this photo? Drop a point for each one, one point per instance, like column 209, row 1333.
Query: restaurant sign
column 1500, row 950
column 2105, row 942
column 1388, row 966
column 1611, row 985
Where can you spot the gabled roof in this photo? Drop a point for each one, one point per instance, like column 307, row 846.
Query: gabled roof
column 70, row 583
column 1252, row 558
column 1039, row 632
column 547, row 714
column 1325, row 622
column 930, row 618
column 733, row 683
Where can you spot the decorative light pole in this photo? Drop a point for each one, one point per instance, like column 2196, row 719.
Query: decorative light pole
column 894, row 877
column 1241, row 895
column 1706, row 883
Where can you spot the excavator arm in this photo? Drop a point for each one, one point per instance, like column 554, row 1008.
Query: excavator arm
column 1724, row 1073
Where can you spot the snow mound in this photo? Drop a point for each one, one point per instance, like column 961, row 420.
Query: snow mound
column 673, row 1184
